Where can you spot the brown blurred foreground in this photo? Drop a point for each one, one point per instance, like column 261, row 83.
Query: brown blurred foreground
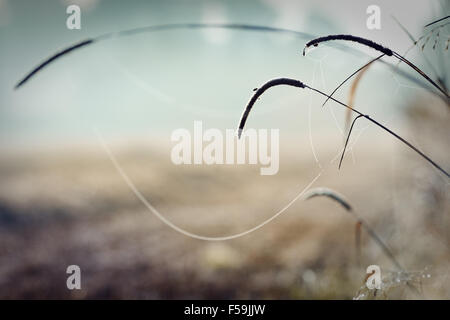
column 72, row 207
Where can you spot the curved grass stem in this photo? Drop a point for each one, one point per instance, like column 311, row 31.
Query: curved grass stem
column 348, row 138
column 299, row 84
column 325, row 192
column 378, row 47
column 436, row 21
column 350, row 76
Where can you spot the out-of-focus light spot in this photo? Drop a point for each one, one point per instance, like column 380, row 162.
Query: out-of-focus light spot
column 214, row 12
column 309, row 277
column 288, row 14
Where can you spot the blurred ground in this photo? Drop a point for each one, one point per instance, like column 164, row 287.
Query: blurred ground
column 65, row 207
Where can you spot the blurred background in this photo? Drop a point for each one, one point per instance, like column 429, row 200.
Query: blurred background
column 70, row 134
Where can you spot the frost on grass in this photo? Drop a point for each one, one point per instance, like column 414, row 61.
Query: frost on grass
column 409, row 281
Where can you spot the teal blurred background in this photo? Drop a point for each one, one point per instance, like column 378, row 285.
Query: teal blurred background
column 64, row 202
column 147, row 85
